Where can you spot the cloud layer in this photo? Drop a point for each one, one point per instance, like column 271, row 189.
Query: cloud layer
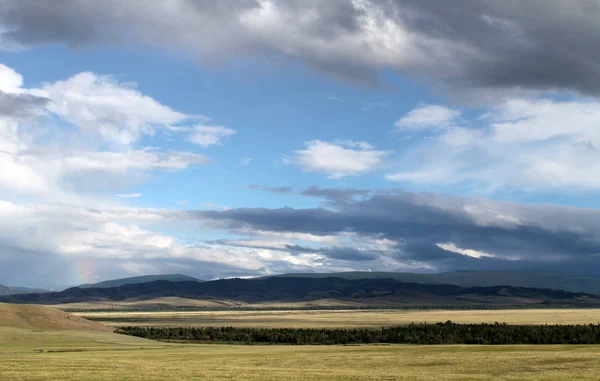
column 460, row 46
column 427, row 232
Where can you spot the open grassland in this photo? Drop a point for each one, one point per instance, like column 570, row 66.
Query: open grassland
column 341, row 318
column 80, row 355
column 173, row 302
column 164, row 302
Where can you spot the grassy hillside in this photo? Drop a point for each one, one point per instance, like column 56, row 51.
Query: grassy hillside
column 529, row 279
column 140, row 279
column 40, row 317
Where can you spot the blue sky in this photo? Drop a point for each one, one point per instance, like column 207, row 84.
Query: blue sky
column 260, row 137
column 273, row 111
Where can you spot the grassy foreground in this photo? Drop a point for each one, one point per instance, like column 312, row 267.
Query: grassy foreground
column 80, row 355
column 340, row 319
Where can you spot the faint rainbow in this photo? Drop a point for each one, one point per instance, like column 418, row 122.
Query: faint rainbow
column 82, row 270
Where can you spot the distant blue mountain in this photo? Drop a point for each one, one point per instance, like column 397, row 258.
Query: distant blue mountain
column 6, row 290
column 141, row 279
column 530, row 279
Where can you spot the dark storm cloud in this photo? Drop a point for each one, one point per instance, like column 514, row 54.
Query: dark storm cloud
column 75, row 23
column 539, row 44
column 460, row 45
column 20, row 105
column 517, row 236
column 349, row 254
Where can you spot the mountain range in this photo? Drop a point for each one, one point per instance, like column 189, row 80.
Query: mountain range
column 528, row 279
column 369, row 288
column 368, row 292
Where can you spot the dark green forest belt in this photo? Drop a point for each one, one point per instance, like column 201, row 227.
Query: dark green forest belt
column 430, row 334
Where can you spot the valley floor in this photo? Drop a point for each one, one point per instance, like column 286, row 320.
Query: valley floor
column 80, row 355
column 340, row 318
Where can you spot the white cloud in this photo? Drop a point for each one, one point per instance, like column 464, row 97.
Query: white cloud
column 206, row 136
column 535, row 145
column 115, row 111
column 97, row 235
column 128, row 195
column 353, row 144
column 143, row 159
column 47, row 172
column 246, row 161
column 10, row 80
column 449, row 246
column 428, row 117
column 540, row 120
column 42, row 157
column 346, row 158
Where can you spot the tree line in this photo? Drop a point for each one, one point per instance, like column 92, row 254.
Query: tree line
column 440, row 333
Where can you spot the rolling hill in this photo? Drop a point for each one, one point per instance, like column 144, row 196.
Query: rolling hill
column 368, row 292
column 527, row 279
column 40, row 317
column 141, row 279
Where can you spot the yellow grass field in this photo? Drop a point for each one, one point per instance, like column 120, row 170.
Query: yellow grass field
column 38, row 343
column 342, row 318
column 82, row 355
column 173, row 302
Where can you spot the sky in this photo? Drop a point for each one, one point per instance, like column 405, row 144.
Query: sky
column 245, row 138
